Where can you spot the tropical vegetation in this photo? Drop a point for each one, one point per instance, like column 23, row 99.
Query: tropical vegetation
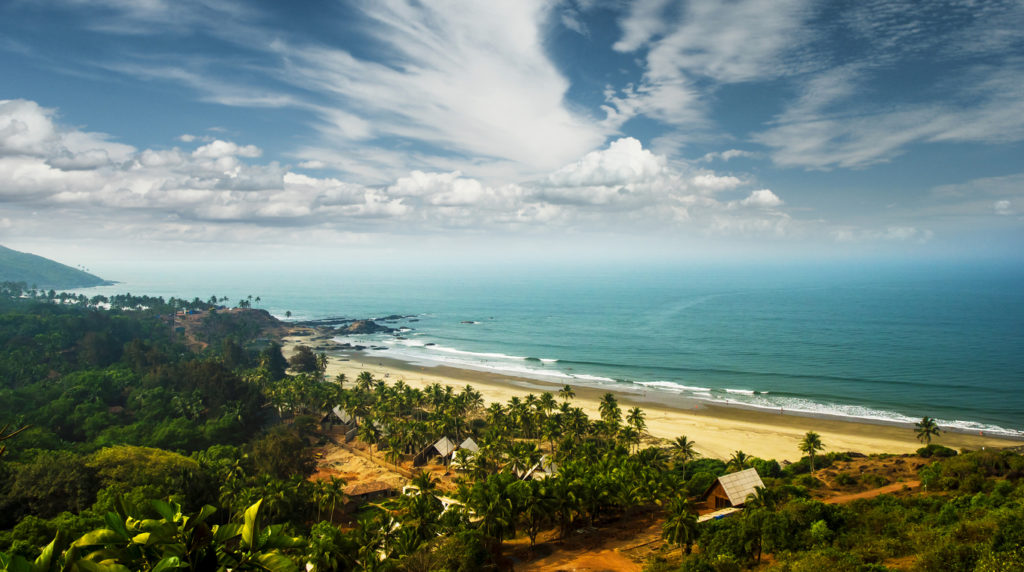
column 127, row 445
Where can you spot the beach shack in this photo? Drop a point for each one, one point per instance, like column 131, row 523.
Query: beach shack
column 733, row 489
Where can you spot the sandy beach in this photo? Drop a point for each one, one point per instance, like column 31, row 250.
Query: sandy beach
column 718, row 431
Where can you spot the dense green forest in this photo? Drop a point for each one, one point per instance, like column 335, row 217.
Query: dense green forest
column 42, row 272
column 126, row 445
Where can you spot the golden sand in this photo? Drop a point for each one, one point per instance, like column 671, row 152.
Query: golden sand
column 717, row 431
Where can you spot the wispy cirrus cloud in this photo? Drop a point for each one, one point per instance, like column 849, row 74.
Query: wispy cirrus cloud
column 693, row 48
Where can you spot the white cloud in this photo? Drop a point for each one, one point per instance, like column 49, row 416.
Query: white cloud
column 474, row 79
column 646, row 20
column 312, row 164
column 165, row 193
column 1003, row 207
column 218, row 149
column 715, row 183
column 761, row 198
column 624, row 161
column 186, row 138
column 708, row 41
column 726, row 155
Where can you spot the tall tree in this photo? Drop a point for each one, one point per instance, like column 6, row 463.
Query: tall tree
column 636, row 418
column 610, row 412
column 738, row 461
column 566, row 393
column 684, row 451
column 926, row 429
column 811, row 445
column 680, row 526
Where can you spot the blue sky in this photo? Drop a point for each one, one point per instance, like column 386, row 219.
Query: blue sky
column 698, row 128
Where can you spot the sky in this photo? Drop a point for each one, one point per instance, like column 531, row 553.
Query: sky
column 398, row 130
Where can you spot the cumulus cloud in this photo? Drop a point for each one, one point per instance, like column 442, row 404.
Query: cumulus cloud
column 218, row 149
column 51, row 168
column 761, row 198
column 715, row 183
column 624, row 161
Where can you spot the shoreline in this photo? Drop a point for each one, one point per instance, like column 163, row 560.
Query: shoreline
column 717, row 430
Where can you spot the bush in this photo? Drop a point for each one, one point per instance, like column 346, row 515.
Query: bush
column 935, row 450
column 874, row 480
column 808, row 481
column 846, row 479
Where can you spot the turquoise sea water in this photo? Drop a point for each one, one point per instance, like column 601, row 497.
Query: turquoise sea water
column 882, row 342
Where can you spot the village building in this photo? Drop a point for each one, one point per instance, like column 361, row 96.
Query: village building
column 733, row 489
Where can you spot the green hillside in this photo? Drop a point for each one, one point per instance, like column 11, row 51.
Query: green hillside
column 42, row 272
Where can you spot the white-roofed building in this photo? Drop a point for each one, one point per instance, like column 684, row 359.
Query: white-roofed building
column 733, row 489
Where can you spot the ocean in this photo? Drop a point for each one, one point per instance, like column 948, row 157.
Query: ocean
column 885, row 342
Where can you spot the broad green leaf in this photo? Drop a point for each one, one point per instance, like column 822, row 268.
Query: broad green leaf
column 204, row 513
column 225, row 532
column 169, row 563
column 100, row 537
column 250, row 530
column 116, row 523
column 89, row 566
column 46, row 560
column 164, row 509
column 14, row 563
column 143, row 538
column 276, row 562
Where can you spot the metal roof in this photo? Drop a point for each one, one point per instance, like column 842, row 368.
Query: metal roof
column 470, row 444
column 444, row 446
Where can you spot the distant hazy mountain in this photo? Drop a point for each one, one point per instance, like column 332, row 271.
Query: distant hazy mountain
column 44, row 273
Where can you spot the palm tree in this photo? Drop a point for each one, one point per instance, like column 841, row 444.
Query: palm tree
column 738, row 461
column 811, row 445
column 927, row 428
column 364, row 381
column 629, row 436
column 684, row 451
column 566, row 393
column 340, row 379
column 547, row 403
column 636, row 419
column 681, row 524
column 610, row 412
column 762, row 497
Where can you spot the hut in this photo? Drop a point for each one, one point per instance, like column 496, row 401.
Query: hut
column 542, row 470
column 732, row 489
column 470, row 445
column 342, row 415
column 444, row 447
column 360, row 493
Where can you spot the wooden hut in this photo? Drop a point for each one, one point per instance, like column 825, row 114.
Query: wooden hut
column 732, row 489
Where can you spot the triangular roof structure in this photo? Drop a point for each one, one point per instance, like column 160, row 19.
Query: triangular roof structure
column 739, row 485
column 444, row 447
column 342, row 415
column 470, row 444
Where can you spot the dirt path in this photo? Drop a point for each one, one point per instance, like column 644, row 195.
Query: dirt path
column 895, row 487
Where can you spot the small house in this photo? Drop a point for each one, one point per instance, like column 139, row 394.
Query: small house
column 733, row 489
column 360, row 493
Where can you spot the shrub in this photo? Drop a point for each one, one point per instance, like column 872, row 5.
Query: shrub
column 808, row 481
column 935, row 450
column 846, row 479
column 874, row 480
